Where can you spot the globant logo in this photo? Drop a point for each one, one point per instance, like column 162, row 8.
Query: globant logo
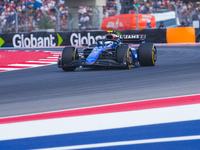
column 77, row 39
column 21, row 41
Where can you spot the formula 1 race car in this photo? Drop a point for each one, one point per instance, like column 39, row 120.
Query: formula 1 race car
column 112, row 51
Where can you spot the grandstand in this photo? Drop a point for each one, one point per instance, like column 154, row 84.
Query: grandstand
column 37, row 15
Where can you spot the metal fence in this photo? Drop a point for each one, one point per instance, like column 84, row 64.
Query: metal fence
column 187, row 17
column 33, row 20
column 57, row 19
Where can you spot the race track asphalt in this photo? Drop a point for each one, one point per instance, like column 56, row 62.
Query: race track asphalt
column 48, row 88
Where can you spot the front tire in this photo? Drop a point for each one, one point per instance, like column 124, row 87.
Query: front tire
column 68, row 68
column 68, row 55
column 124, row 56
column 147, row 54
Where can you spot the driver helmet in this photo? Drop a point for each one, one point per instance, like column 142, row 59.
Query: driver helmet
column 109, row 43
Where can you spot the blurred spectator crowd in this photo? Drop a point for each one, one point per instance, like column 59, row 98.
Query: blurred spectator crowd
column 187, row 10
column 34, row 15
column 85, row 17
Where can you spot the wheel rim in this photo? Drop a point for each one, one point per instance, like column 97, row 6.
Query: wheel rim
column 154, row 55
column 129, row 58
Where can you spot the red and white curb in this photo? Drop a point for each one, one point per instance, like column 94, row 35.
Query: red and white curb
column 131, row 114
column 15, row 60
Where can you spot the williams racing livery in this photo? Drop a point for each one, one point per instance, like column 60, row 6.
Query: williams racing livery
column 111, row 52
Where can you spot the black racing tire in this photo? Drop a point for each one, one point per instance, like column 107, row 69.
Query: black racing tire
column 147, row 54
column 121, row 56
column 68, row 68
column 68, row 55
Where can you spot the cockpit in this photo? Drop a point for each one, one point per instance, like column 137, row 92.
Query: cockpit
column 109, row 44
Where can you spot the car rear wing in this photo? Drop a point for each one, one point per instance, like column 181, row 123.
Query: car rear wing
column 126, row 38
column 132, row 38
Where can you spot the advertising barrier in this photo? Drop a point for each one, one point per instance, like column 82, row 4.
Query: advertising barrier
column 49, row 39
column 127, row 22
column 152, row 35
column 36, row 39
column 181, row 35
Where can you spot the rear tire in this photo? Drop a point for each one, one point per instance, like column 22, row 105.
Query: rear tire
column 124, row 56
column 68, row 55
column 147, row 54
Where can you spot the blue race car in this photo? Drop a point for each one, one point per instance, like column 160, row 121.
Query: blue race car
column 110, row 52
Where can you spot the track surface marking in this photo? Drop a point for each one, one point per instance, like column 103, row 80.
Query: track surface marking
column 16, row 60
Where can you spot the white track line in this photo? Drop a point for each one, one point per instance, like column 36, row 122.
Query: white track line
column 99, row 122
column 10, row 69
column 26, row 65
column 49, row 59
column 57, row 53
column 133, row 142
column 41, row 62
column 52, row 57
column 139, row 100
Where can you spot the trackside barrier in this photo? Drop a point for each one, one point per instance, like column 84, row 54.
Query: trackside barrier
column 181, row 35
column 127, row 22
column 197, row 34
column 52, row 39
